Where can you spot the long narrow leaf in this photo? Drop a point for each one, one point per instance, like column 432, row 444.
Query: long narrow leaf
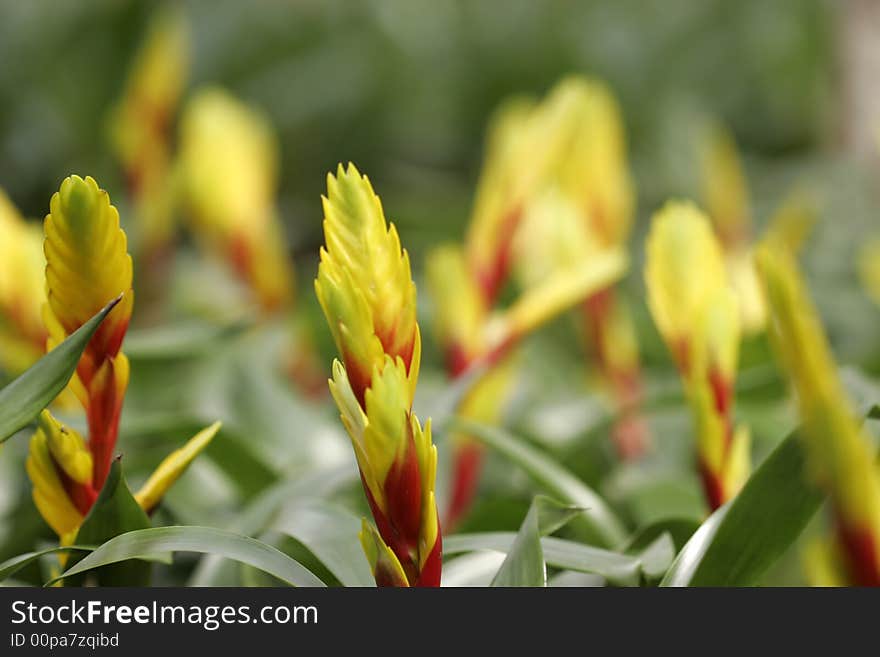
column 23, row 399
column 207, row 540
column 619, row 569
column 11, row 566
column 524, row 564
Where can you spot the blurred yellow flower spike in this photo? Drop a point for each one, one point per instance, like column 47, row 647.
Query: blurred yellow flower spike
column 696, row 311
column 140, row 125
column 365, row 288
column 229, row 164
column 841, row 454
column 869, row 268
column 87, row 266
column 22, row 290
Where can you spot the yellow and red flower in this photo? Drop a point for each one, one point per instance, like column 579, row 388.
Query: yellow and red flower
column 696, row 312
column 365, row 288
column 87, row 267
column 229, row 178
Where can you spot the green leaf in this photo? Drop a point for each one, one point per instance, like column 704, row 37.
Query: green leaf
column 553, row 478
column 524, row 564
column 619, row 569
column 331, row 534
column 11, row 566
column 206, row 540
column 742, row 539
column 23, row 399
column 679, row 530
column 113, row 513
column 179, row 340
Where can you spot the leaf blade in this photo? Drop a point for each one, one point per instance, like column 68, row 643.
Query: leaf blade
column 206, row 540
column 23, row 399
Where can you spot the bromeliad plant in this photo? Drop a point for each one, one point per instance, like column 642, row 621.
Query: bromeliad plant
column 368, row 296
column 506, row 233
column 696, row 312
column 87, row 267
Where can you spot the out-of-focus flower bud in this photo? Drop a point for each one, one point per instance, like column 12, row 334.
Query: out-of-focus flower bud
column 229, row 163
column 697, row 314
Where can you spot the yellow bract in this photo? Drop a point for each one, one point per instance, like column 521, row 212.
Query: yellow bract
column 229, row 163
column 87, row 262
column 68, row 449
column 840, row 449
column 383, row 562
column 172, row 467
column 683, row 271
column 364, row 282
column 49, row 494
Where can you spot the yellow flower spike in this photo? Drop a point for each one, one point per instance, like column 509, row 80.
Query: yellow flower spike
column 869, row 268
column 841, row 455
column 229, row 164
column 141, row 121
column 49, row 494
column 725, row 189
column 87, row 266
column 22, row 290
column 384, row 563
column 684, row 266
column 152, row 91
column 365, row 289
column 364, row 283
column 68, row 449
column 459, row 308
column 172, row 467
